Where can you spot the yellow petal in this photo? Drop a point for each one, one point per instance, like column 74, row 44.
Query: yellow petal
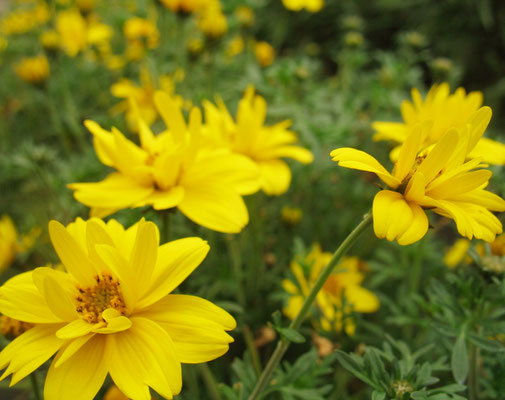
column 460, row 184
column 417, row 228
column 29, row 351
column 408, row 152
column 295, row 152
column 361, row 299
column 116, row 322
column 395, row 131
column 163, row 200
column 85, row 370
column 215, row 206
column 275, row 177
column 75, row 329
column 103, row 142
column 439, row 155
column 144, row 254
column 170, row 113
column 391, row 215
column 490, row 151
column 176, row 261
column 415, row 190
column 356, row 159
column 147, row 346
column 71, row 347
column 478, row 122
column 71, row 255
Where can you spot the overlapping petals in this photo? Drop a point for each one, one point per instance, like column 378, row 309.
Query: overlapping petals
column 130, row 317
column 438, row 178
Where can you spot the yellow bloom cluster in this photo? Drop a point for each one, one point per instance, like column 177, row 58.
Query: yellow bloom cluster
column 33, row 69
column 211, row 20
column 439, row 177
column 25, row 20
column 444, row 111
column 341, row 295
column 113, row 308
column 141, row 34
column 298, row 5
column 264, row 53
column 11, row 243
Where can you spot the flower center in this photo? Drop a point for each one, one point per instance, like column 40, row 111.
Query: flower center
column 92, row 301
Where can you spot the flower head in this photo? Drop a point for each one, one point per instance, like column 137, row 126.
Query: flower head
column 24, row 20
column 172, row 169
column 264, row 144
column 341, row 295
column 211, row 20
column 264, row 53
column 33, row 69
column 11, row 243
column 112, row 312
column 444, row 110
column 437, row 178
column 312, row 6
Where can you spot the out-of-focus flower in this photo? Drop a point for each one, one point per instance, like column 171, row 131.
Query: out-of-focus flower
column 245, row 15
column 415, row 39
column 112, row 312
column 438, row 178
column 341, row 295
column 25, row 20
column 492, row 256
column 441, row 65
column 143, row 96
column 235, row 46
column 457, row 253
column 85, row 5
column 352, row 23
column 353, row 39
column 264, row 53
column 291, row 216
column 141, row 34
column 12, row 328
column 50, row 39
column 211, row 20
column 185, row 6
column 310, row 5
column 11, row 243
column 444, row 111
column 264, row 144
column 172, row 169
column 33, row 69
column 195, row 46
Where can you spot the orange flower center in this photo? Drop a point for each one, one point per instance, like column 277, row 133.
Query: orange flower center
column 92, row 301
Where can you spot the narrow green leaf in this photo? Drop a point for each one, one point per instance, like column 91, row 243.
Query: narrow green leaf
column 292, row 335
column 459, row 360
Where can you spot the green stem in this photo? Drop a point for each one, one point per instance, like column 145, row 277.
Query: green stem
column 253, row 351
column 473, row 388
column 35, row 386
column 283, row 343
column 166, row 228
column 210, row 381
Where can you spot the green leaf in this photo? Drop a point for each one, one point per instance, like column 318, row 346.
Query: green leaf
column 292, row 335
column 459, row 360
column 378, row 395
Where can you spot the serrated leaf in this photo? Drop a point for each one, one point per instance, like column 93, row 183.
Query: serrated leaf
column 459, row 359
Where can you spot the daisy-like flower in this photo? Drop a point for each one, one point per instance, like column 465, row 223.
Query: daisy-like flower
column 112, row 313
column 438, row 178
column 341, row 295
column 264, row 144
column 172, row 169
column 444, row 110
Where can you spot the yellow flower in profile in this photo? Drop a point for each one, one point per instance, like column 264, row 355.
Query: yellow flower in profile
column 33, row 69
column 444, row 110
column 113, row 312
column 11, row 243
column 143, row 96
column 438, row 178
column 341, row 295
column 264, row 53
column 297, row 5
column 264, row 144
column 172, row 169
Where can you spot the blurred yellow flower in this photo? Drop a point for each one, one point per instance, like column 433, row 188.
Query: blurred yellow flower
column 291, row 215
column 457, row 253
column 444, row 110
column 11, row 243
column 141, row 34
column 12, row 328
column 195, row 46
column 264, row 144
column 492, row 256
column 245, row 15
column 264, row 53
column 50, row 39
column 113, row 313
column 172, row 169
column 33, row 69
column 24, row 20
column 143, row 96
column 235, row 46
column 85, row 5
column 438, row 178
column 187, row 6
column 341, row 295
column 211, row 20
column 310, row 5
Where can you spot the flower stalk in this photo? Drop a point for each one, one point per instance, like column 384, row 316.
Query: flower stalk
column 283, row 343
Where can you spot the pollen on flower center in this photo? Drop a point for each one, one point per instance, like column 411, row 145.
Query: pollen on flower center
column 92, row 301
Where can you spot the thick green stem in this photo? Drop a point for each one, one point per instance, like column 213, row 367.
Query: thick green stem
column 35, row 386
column 210, row 381
column 283, row 343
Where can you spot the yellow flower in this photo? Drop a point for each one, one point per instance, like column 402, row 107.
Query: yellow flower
column 195, row 46
column 187, row 6
column 341, row 295
column 25, row 20
column 72, row 31
column 457, row 253
column 211, row 20
column 245, row 15
column 143, row 97
column 12, row 328
column 33, row 69
column 10, row 242
column 141, row 33
column 264, row 53
column 85, row 5
column 444, row 110
column 264, row 144
column 291, row 215
column 172, row 169
column 439, row 179
column 113, row 313
column 50, row 39
column 235, row 46
column 492, row 258
column 297, row 5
